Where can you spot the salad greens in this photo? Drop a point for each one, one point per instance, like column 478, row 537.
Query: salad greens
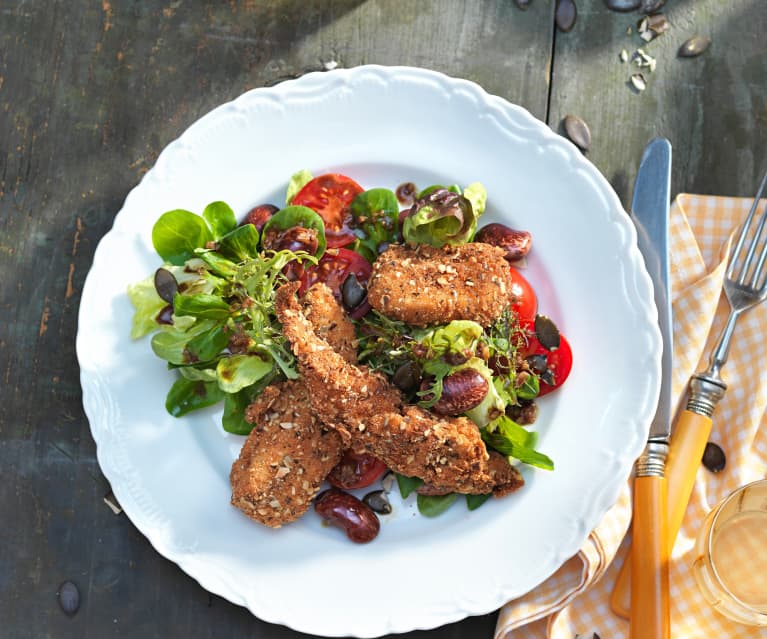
column 213, row 318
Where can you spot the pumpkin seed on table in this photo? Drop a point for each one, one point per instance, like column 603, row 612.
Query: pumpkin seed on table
column 623, row 5
column 69, row 598
column 523, row 4
column 714, row 458
column 651, row 6
column 578, row 131
column 565, row 15
column 650, row 27
column 639, row 82
column 693, row 47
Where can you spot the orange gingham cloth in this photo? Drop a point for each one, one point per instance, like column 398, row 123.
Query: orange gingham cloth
column 574, row 601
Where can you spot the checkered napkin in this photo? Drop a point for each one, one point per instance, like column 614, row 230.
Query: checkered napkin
column 575, row 600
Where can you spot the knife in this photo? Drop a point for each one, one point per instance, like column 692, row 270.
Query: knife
column 649, row 614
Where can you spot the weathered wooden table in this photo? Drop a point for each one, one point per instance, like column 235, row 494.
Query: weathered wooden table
column 91, row 92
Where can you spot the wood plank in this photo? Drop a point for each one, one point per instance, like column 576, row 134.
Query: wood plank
column 712, row 108
column 90, row 93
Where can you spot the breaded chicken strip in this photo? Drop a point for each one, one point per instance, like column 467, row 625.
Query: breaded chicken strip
column 367, row 411
column 427, row 285
column 343, row 394
column 285, row 458
column 446, row 452
column 330, row 321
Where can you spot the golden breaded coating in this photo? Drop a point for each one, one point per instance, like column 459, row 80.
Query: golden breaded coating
column 367, row 411
column 285, row 458
column 330, row 321
column 446, row 452
column 344, row 395
column 428, row 285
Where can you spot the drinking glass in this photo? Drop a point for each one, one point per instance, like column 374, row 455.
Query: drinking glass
column 730, row 563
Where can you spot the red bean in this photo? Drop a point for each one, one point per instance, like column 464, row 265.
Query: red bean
column 516, row 243
column 341, row 509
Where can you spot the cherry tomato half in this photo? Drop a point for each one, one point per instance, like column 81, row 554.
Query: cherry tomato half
column 524, row 301
column 333, row 268
column 559, row 361
column 356, row 470
column 331, row 195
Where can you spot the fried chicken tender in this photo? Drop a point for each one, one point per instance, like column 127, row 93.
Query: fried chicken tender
column 330, row 321
column 343, row 394
column 428, row 285
column 285, row 458
column 446, row 452
column 368, row 413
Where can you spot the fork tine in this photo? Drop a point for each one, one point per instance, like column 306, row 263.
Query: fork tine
column 757, row 274
column 744, row 234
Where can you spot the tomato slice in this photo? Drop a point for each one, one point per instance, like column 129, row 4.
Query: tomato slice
column 559, row 362
column 356, row 470
column 331, row 195
column 333, row 268
column 523, row 300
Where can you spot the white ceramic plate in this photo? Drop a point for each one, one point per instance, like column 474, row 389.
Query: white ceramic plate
column 383, row 126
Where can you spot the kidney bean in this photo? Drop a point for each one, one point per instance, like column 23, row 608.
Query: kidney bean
column 259, row 215
column 341, row 509
column 461, row 391
column 516, row 243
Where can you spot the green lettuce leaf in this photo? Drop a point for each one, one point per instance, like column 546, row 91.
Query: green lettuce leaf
column 146, row 304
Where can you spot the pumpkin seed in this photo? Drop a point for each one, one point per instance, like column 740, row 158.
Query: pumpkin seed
column 165, row 284
column 547, row 332
column 69, row 598
column 713, row 457
column 523, row 4
column 623, row 55
column 378, row 502
column 651, row 6
column 638, row 81
column 650, row 27
column 694, row 46
column 578, row 131
column 353, row 293
column 565, row 15
column 622, row 5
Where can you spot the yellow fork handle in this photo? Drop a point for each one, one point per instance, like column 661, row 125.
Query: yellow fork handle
column 649, row 560
column 688, row 442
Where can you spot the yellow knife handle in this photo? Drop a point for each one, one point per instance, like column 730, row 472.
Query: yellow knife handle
column 649, row 560
column 688, row 442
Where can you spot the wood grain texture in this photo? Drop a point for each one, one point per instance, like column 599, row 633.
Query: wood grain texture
column 90, row 93
column 712, row 108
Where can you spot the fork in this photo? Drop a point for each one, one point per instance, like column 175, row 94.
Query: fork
column 745, row 286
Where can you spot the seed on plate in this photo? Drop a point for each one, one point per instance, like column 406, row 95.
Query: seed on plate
column 638, row 81
column 69, row 598
column 565, row 15
column 714, row 458
column 523, row 4
column 352, row 292
column 407, row 377
column 622, row 5
column 651, row 6
column 578, row 131
column 547, row 332
column 378, row 502
column 623, row 55
column 693, row 47
column 165, row 284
